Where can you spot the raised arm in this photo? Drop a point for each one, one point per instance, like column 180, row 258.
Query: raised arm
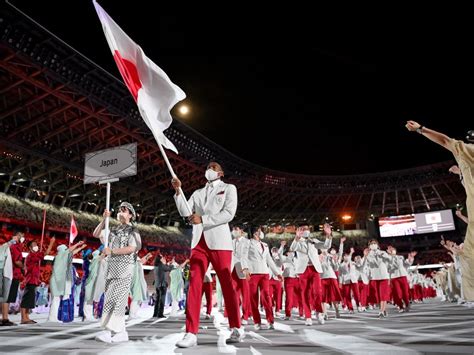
column 50, row 246
column 462, row 217
column 437, row 137
column 281, row 250
column 341, row 250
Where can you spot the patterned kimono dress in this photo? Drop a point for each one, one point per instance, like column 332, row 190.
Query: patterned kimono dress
column 119, row 277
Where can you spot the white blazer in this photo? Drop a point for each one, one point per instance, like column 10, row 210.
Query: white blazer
column 240, row 256
column 260, row 260
column 307, row 250
column 217, row 208
column 398, row 266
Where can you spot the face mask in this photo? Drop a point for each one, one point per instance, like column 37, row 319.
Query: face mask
column 22, row 239
column 346, row 258
column 211, row 175
column 373, row 246
column 394, row 252
column 35, row 248
column 333, row 252
column 275, row 255
column 306, row 234
column 11, row 242
column 324, row 251
column 235, row 234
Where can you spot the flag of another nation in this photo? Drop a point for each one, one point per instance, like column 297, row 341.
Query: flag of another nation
column 72, row 230
column 149, row 85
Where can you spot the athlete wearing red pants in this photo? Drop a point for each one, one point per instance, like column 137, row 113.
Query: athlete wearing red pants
column 259, row 262
column 308, row 267
column 240, row 271
column 377, row 262
column 210, row 210
column 398, row 278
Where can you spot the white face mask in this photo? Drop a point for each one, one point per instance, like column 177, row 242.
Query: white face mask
column 211, row 175
column 333, row 252
column 324, row 251
column 373, row 246
column 346, row 258
column 394, row 252
column 306, row 234
column 262, row 235
column 35, row 248
column 22, row 239
column 235, row 234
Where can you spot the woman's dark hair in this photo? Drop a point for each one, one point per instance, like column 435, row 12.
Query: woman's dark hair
column 30, row 243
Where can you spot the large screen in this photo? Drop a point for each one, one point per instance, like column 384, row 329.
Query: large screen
column 419, row 223
column 395, row 226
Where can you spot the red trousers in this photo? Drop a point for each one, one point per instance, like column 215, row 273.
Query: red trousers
column 291, row 292
column 241, row 287
column 381, row 289
column 207, row 290
column 347, row 289
column 260, row 281
column 400, row 291
column 201, row 255
column 310, row 282
column 275, row 294
column 418, row 292
column 363, row 293
column 331, row 291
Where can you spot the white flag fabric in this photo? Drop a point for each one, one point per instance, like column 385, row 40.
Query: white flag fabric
column 149, row 85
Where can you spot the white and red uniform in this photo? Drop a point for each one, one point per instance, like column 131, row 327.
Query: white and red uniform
column 291, row 283
column 377, row 261
column 216, row 203
column 331, row 292
column 348, row 280
column 398, row 280
column 308, row 268
column 363, row 282
column 259, row 261
column 276, row 286
column 240, row 255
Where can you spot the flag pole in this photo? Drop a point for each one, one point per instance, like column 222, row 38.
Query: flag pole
column 42, row 232
column 170, row 168
column 107, row 206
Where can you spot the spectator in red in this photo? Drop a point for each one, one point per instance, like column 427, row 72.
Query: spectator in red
column 16, row 246
column 32, row 278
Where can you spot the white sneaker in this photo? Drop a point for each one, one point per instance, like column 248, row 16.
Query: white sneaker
column 278, row 314
column 271, row 326
column 244, row 321
column 188, row 341
column 287, row 318
column 359, row 309
column 257, row 326
column 309, row 321
column 321, row 319
column 207, row 316
column 105, row 336
column 236, row 336
column 120, row 337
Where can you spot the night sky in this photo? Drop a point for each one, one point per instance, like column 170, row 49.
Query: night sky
column 311, row 92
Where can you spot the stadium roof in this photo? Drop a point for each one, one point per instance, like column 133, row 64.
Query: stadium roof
column 58, row 105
